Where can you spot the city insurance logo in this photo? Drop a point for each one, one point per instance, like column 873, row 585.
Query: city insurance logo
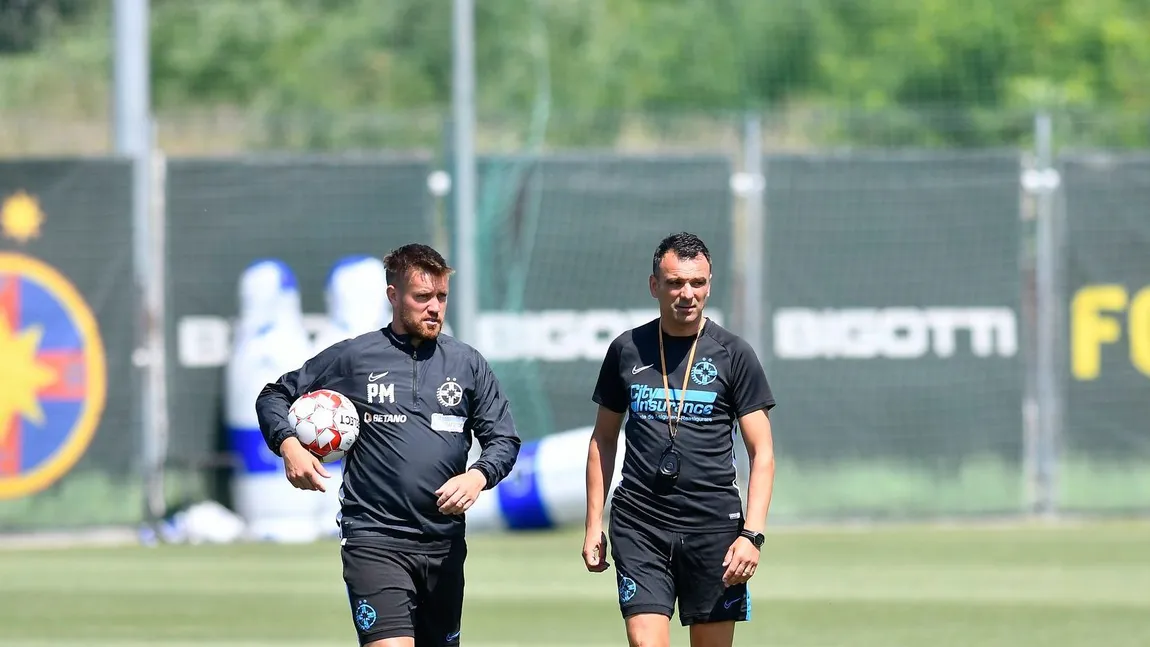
column 53, row 382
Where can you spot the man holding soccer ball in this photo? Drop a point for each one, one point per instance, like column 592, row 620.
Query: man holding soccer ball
column 420, row 397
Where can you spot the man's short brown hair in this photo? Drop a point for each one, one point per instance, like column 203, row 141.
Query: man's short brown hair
column 414, row 256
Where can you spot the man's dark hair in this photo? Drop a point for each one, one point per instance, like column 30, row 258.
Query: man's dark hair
column 414, row 256
column 685, row 245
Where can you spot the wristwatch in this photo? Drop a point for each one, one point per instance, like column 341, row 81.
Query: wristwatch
column 756, row 538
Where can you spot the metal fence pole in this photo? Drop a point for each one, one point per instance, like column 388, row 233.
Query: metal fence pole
column 131, row 78
column 1045, row 184
column 155, row 301
column 134, row 139
column 463, row 131
column 750, row 244
column 754, row 293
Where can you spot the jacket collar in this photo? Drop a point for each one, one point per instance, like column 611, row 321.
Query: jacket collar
column 403, row 342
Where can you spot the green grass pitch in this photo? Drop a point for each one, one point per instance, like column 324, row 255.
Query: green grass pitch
column 1082, row 585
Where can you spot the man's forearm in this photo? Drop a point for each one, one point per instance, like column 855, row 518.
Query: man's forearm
column 498, row 457
column 272, row 406
column 759, row 491
column 600, row 466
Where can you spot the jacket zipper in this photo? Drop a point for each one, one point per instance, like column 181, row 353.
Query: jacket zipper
column 414, row 378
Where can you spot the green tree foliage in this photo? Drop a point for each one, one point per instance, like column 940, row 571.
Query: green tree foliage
column 24, row 23
column 891, row 71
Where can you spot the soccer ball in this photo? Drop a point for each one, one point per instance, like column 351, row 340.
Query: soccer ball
column 326, row 423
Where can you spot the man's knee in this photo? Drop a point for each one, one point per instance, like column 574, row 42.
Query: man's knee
column 649, row 630
column 400, row 641
column 713, row 634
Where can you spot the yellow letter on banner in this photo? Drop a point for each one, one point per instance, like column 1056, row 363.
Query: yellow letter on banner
column 1090, row 328
column 1139, row 331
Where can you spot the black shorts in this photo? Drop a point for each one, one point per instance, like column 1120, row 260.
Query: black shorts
column 656, row 567
column 395, row 593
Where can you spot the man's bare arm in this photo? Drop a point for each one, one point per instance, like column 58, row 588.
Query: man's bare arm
column 601, row 464
column 756, row 430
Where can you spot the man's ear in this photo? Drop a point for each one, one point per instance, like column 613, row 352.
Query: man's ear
column 392, row 296
column 653, row 283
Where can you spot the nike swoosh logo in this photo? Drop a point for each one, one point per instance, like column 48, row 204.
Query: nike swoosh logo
column 730, row 603
column 639, row 369
column 373, row 377
column 451, row 637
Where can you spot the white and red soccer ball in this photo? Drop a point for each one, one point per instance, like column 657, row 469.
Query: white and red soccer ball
column 326, row 423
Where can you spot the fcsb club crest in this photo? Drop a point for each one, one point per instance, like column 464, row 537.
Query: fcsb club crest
column 52, row 375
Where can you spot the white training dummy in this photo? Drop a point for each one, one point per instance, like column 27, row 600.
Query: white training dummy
column 269, row 340
column 356, row 296
column 546, row 488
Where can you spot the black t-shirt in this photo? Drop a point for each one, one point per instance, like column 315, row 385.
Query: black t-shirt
column 726, row 382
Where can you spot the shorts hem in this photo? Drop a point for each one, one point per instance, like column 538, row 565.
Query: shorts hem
column 435, row 547
column 647, row 608
column 703, row 619
column 384, row 634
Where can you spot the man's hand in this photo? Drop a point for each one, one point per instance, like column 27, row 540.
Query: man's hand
column 595, row 551
column 741, row 561
column 304, row 470
column 460, row 492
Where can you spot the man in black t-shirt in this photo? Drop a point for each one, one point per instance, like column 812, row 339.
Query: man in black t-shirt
column 677, row 528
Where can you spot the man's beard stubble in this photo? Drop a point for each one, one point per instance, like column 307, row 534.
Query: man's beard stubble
column 417, row 327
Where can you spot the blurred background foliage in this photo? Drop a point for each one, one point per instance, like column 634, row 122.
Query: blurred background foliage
column 325, row 74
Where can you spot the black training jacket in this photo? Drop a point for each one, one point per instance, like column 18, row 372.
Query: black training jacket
column 418, row 409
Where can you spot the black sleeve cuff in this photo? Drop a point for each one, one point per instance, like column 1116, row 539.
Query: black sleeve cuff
column 277, row 439
column 478, row 467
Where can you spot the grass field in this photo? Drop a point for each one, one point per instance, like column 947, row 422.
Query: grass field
column 1016, row 586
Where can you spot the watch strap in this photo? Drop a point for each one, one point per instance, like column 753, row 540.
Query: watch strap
column 755, row 537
